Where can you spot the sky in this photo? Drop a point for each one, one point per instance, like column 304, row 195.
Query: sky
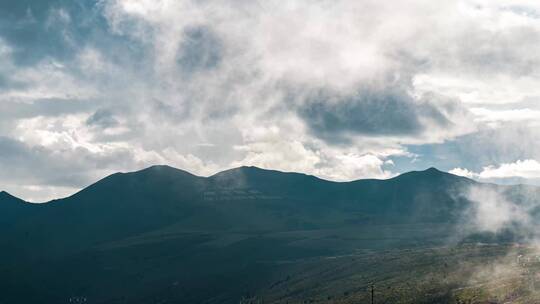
column 340, row 89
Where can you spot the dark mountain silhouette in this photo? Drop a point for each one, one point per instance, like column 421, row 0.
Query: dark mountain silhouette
column 11, row 209
column 9, row 200
column 245, row 198
column 149, row 228
column 237, row 200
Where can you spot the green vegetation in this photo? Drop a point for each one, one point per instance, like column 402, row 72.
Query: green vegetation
column 249, row 235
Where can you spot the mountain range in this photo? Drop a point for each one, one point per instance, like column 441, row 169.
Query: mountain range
column 170, row 236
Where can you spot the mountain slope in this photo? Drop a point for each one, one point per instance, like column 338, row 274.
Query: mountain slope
column 12, row 209
column 246, row 198
column 237, row 200
column 163, row 234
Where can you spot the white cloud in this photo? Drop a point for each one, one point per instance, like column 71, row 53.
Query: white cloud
column 528, row 169
column 519, row 115
column 253, row 65
column 48, row 79
column 463, row 172
column 522, row 168
column 491, row 211
column 290, row 149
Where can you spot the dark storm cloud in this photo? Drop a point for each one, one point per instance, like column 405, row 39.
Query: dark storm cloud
column 371, row 113
column 201, row 49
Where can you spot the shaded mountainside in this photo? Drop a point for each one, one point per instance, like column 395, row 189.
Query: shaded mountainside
column 242, row 199
column 162, row 189
column 163, row 234
column 12, row 209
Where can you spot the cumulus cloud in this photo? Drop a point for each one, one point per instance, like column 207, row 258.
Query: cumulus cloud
column 340, row 89
column 495, row 117
column 526, row 169
column 462, row 172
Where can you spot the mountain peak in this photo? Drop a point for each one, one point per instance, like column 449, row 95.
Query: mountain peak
column 159, row 167
column 5, row 196
column 429, row 173
column 433, row 170
column 254, row 171
column 163, row 169
column 242, row 170
column 251, row 168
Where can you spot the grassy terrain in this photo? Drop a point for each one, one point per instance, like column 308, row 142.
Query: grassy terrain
column 405, row 263
column 310, row 266
column 162, row 235
column 468, row 273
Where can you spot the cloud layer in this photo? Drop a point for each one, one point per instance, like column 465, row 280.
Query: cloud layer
column 340, row 89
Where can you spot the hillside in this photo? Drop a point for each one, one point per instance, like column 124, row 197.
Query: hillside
column 172, row 235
